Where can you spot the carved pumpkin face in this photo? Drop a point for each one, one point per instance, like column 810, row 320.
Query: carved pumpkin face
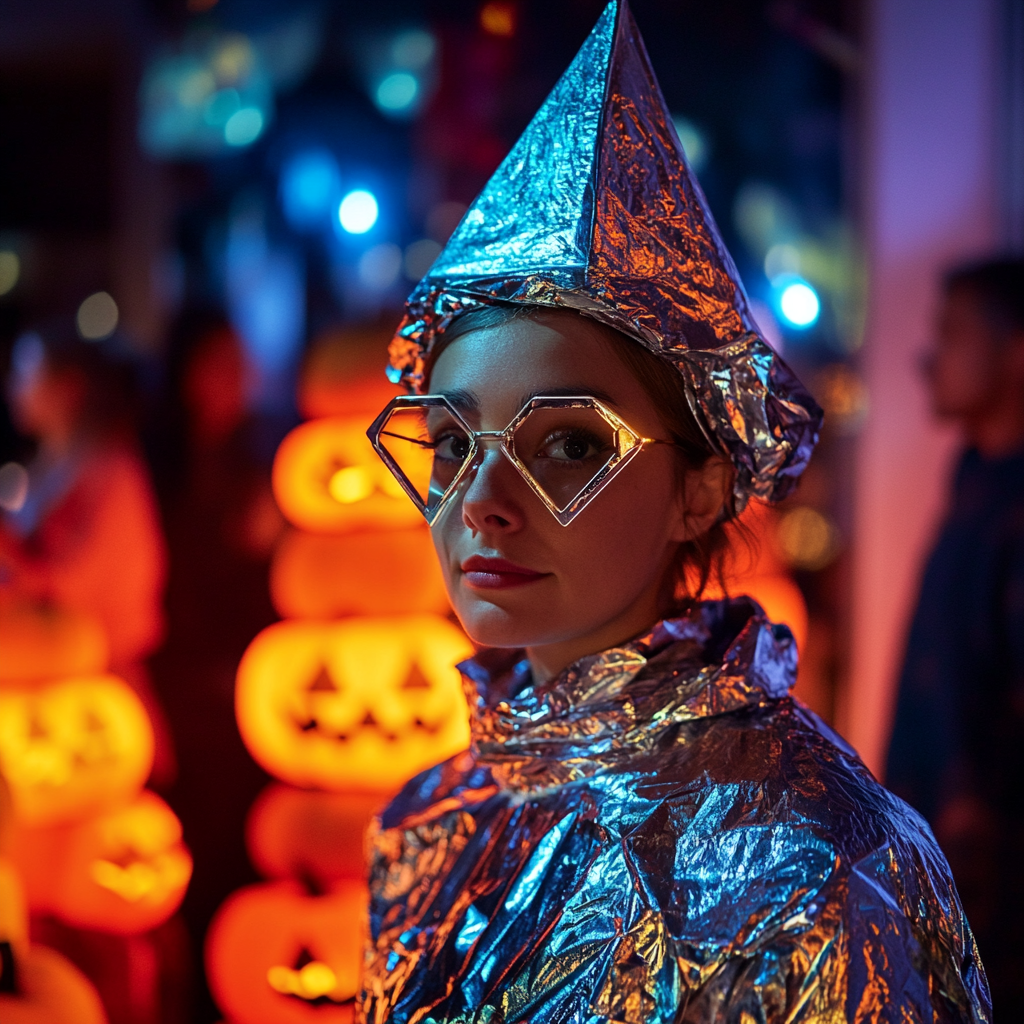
column 123, row 871
column 306, row 833
column 72, row 747
column 43, row 642
column 315, row 576
column 50, row 988
column 277, row 955
column 328, row 479
column 361, row 703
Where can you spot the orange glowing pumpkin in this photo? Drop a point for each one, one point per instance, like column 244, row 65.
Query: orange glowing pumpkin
column 72, row 747
column 50, row 990
column 305, row 833
column 37, row 985
column 43, row 642
column 328, row 479
column 357, row 704
column 341, row 372
column 123, row 871
column 277, row 955
column 314, row 576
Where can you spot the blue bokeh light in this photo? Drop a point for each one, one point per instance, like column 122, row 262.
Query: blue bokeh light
column 397, row 92
column 244, row 127
column 798, row 303
column 358, row 211
column 310, row 187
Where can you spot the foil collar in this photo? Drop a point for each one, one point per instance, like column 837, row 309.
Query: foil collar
column 691, row 846
column 613, row 707
column 595, row 210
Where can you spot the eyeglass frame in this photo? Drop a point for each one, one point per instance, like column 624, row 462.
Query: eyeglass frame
column 628, row 445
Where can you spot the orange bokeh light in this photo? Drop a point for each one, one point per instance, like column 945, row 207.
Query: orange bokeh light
column 498, row 19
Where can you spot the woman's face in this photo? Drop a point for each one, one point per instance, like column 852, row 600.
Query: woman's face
column 515, row 576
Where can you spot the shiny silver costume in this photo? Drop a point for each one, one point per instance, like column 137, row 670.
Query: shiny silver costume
column 660, row 834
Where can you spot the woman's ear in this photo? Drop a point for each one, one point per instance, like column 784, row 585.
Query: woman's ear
column 705, row 492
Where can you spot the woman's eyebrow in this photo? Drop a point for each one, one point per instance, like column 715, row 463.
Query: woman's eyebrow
column 464, row 401
column 570, row 389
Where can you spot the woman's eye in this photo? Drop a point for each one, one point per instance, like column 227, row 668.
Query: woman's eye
column 451, row 447
column 575, row 446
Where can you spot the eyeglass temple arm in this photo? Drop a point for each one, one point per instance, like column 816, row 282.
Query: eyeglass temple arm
column 411, row 440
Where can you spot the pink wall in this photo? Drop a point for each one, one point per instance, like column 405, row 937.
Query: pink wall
column 929, row 174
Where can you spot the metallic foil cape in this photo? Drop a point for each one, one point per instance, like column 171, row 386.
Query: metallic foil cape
column 595, row 209
column 661, row 834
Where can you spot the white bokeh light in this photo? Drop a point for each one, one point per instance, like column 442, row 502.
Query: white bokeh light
column 358, row 212
column 799, row 304
column 97, row 317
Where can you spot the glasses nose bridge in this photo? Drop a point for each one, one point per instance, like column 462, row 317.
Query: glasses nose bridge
column 489, row 435
column 482, row 438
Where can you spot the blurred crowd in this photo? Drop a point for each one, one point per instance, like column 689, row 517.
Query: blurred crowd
column 148, row 508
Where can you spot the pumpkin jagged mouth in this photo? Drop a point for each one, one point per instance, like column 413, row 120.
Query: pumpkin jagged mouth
column 310, row 981
column 311, row 724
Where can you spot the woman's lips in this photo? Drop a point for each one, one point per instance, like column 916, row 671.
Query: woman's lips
column 497, row 573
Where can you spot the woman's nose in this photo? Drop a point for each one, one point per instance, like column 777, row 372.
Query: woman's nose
column 490, row 501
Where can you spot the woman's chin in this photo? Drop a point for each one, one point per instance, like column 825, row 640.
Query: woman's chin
column 489, row 624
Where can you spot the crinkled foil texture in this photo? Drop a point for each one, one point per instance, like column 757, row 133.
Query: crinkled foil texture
column 661, row 834
column 595, row 210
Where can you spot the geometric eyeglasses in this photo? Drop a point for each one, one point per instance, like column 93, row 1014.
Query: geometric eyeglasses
column 568, row 448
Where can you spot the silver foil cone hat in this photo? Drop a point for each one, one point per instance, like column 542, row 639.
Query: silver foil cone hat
column 595, row 209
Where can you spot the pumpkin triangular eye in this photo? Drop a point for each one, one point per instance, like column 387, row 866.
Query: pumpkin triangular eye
column 323, row 683
column 416, row 680
column 304, row 957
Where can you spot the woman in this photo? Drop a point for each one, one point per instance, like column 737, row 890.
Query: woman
column 646, row 828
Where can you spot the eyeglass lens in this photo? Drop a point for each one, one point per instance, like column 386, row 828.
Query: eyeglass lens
column 561, row 449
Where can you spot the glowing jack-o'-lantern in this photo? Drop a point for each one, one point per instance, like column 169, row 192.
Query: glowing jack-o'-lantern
column 328, row 479
column 316, row 576
column 37, row 985
column 361, row 703
column 44, row 642
column 306, row 833
column 72, row 747
column 123, row 871
column 278, row 955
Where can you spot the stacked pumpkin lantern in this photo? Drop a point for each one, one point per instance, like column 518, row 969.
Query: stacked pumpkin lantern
column 92, row 847
column 342, row 701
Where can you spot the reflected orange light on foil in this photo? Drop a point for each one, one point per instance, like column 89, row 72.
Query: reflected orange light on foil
column 362, row 703
column 328, row 479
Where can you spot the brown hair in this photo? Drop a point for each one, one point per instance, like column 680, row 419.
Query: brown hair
column 699, row 561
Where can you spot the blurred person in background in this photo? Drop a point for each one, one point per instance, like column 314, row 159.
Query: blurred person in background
column 957, row 750
column 212, row 460
column 86, row 535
